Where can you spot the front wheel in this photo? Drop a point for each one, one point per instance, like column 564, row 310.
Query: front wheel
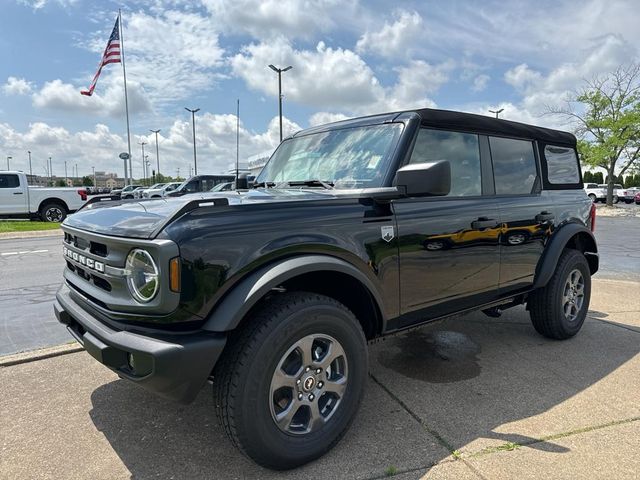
column 53, row 212
column 593, row 198
column 291, row 380
column 559, row 309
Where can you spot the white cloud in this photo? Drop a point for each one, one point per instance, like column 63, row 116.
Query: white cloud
column 272, row 18
column 38, row 4
column 339, row 79
column 320, row 118
column 99, row 147
column 17, row 86
column 395, row 39
column 64, row 97
column 480, row 83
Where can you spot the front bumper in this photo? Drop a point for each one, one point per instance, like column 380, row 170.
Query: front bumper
column 174, row 366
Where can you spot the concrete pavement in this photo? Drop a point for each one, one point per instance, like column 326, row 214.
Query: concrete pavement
column 471, row 397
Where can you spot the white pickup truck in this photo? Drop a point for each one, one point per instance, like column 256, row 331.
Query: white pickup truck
column 19, row 200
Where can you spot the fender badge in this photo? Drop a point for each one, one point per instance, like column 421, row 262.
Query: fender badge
column 387, row 233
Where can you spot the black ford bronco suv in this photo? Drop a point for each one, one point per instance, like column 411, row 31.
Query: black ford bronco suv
column 352, row 231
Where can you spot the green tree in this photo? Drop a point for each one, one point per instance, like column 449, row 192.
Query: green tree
column 587, row 177
column 605, row 115
column 87, row 182
column 60, row 183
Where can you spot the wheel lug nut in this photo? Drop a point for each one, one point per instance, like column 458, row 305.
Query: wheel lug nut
column 299, row 396
column 298, row 382
column 311, row 397
column 320, row 384
column 318, row 370
column 307, row 369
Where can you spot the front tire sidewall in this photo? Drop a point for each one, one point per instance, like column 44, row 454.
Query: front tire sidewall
column 60, row 211
column 277, row 448
column 568, row 328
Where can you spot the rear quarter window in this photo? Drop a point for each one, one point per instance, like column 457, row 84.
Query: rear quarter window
column 562, row 165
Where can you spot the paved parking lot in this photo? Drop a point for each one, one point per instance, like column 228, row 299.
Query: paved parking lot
column 471, row 397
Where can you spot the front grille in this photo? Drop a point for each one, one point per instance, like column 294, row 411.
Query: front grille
column 81, row 243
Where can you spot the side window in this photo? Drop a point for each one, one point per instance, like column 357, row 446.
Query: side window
column 562, row 165
column 191, row 186
column 9, row 181
column 462, row 150
column 514, row 166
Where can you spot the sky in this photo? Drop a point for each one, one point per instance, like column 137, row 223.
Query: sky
column 349, row 58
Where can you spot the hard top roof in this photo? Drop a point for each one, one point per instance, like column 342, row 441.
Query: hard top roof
column 448, row 119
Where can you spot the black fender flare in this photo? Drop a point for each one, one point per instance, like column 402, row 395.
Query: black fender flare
column 230, row 311
column 557, row 243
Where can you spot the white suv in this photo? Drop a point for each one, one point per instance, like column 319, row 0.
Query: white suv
column 161, row 191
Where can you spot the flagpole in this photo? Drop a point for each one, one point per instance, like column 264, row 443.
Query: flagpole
column 237, row 142
column 126, row 99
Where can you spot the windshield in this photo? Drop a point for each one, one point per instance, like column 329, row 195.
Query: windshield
column 356, row 157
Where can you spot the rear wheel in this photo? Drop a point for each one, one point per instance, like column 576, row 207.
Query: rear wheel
column 593, row 198
column 53, row 212
column 291, row 380
column 615, row 199
column 559, row 309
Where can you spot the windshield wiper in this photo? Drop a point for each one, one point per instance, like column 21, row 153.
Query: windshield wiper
column 263, row 185
column 311, row 183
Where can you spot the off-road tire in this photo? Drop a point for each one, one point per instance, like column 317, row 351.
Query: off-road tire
column 53, row 212
column 546, row 304
column 243, row 376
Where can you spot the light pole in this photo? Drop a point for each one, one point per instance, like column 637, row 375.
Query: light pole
column 30, row 169
column 143, row 167
column 146, row 166
column 66, row 179
column 93, row 169
column 497, row 112
column 8, row 159
column 279, row 72
column 157, row 151
column 50, row 171
column 193, row 122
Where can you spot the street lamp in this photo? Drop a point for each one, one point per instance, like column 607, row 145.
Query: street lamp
column 497, row 112
column 8, row 166
column 157, row 151
column 143, row 167
column 279, row 72
column 94, row 177
column 193, row 122
column 30, row 169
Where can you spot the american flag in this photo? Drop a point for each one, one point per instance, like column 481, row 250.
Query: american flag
column 111, row 55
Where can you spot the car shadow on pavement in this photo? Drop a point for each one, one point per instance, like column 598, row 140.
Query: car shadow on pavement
column 473, row 381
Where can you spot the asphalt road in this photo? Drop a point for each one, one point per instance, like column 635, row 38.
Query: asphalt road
column 31, row 271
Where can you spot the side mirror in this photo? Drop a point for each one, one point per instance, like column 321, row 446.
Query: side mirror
column 242, row 183
column 424, row 179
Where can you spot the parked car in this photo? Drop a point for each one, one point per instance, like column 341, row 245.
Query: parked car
column 20, row 200
column 629, row 194
column 126, row 192
column 200, row 183
column 161, row 191
column 222, row 187
column 273, row 292
column 594, row 192
column 152, row 187
column 618, row 192
column 137, row 193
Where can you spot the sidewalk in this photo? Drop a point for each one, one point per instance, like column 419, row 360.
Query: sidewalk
column 472, row 397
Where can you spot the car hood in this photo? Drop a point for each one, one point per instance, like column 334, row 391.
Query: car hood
column 146, row 218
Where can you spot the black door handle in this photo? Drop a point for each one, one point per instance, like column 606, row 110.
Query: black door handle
column 544, row 216
column 484, row 222
column 17, row 193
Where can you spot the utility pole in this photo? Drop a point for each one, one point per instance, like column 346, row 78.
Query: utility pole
column 237, row 142
column 94, row 176
column 193, row 122
column 50, row 171
column 157, row 151
column 30, row 169
column 66, row 179
column 279, row 72
column 8, row 165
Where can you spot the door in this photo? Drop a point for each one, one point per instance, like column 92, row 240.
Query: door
column 13, row 196
column 448, row 246
column 526, row 213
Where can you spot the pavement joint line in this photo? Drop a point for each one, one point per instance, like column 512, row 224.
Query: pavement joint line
column 444, row 443
column 510, row 446
column 40, row 354
column 613, row 324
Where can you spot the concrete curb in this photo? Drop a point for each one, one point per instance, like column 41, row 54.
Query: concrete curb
column 41, row 354
column 30, row 234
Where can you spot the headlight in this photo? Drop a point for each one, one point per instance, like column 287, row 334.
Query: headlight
column 142, row 275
